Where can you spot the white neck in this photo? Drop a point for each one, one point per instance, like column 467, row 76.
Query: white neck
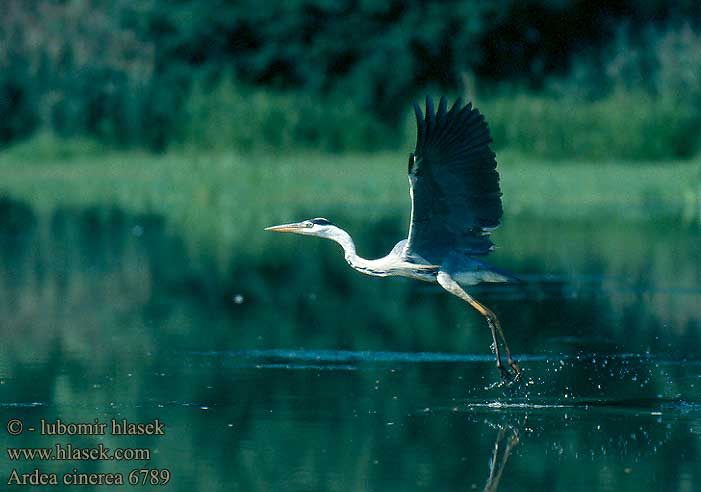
column 370, row 267
column 346, row 242
column 392, row 264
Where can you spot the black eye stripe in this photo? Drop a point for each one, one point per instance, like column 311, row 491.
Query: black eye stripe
column 321, row 221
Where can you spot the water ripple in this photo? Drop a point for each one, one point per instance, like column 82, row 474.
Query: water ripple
column 336, row 356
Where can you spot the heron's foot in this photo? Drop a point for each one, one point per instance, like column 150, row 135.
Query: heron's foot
column 509, row 375
column 516, row 369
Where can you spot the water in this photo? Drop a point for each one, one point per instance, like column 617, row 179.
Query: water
column 284, row 370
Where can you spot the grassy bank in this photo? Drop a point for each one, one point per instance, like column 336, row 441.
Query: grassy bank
column 224, row 199
column 631, row 126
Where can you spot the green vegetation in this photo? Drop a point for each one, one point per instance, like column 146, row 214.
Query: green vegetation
column 628, row 126
column 223, row 199
column 227, row 115
column 339, row 76
column 624, row 125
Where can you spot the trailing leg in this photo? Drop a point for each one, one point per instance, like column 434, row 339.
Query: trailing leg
column 449, row 284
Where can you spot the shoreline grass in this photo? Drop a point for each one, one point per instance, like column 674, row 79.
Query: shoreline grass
column 221, row 199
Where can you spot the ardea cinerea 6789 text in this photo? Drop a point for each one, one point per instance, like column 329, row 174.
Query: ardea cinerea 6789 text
column 456, row 202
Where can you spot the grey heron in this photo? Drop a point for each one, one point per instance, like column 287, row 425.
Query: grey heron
column 456, row 202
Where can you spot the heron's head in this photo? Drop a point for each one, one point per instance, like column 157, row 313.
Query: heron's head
column 313, row 227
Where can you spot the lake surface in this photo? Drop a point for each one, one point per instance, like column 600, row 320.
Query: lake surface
column 285, row 370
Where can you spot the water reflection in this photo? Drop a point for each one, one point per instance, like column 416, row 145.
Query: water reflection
column 276, row 377
column 507, row 439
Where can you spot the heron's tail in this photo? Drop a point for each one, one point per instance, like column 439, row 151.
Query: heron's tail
column 490, row 273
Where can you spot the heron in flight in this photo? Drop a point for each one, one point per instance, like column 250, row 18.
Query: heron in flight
column 456, row 202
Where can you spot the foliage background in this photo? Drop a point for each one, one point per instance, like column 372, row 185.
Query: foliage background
column 556, row 78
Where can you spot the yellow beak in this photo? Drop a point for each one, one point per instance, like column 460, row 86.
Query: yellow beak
column 294, row 227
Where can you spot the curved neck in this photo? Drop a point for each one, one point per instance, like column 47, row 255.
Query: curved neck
column 346, row 242
column 392, row 264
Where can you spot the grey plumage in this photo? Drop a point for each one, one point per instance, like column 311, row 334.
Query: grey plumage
column 456, row 202
column 455, row 192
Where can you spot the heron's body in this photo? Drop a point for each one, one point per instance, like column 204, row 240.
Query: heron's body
column 456, row 202
column 464, row 269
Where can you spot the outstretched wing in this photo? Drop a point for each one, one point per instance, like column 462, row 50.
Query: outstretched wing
column 455, row 192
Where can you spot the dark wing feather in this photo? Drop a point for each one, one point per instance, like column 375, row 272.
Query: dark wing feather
column 454, row 184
